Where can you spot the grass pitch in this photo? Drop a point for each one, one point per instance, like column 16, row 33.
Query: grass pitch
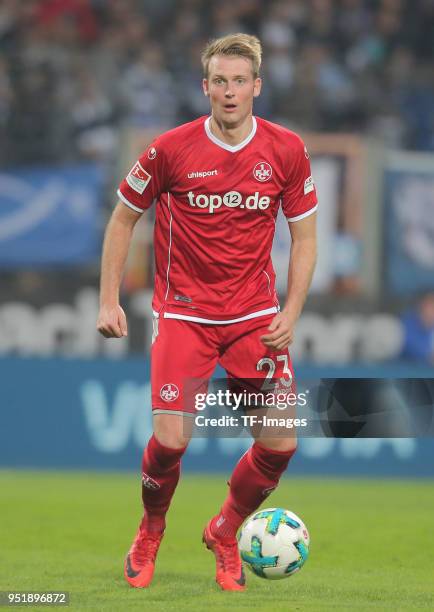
column 372, row 544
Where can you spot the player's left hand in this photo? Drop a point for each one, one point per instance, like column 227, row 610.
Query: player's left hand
column 281, row 332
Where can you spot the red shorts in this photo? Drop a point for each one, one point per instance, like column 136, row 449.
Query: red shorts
column 183, row 351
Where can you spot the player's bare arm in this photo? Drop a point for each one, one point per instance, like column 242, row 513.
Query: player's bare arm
column 301, row 267
column 112, row 322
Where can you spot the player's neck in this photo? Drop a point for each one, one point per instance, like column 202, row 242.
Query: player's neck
column 231, row 135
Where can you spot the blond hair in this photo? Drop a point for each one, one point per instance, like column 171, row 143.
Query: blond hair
column 242, row 45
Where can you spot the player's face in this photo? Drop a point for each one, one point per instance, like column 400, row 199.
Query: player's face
column 231, row 88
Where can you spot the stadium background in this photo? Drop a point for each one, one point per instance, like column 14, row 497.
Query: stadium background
column 84, row 86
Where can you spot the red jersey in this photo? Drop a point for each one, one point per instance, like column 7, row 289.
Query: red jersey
column 216, row 207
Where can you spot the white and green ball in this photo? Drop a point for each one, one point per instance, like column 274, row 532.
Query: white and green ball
column 274, row 543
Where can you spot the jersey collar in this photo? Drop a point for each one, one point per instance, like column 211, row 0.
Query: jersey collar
column 224, row 145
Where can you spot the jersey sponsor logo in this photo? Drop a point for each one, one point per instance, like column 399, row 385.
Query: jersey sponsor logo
column 202, row 174
column 152, row 153
column 169, row 392
column 138, row 178
column 231, row 199
column 262, row 172
column 308, row 185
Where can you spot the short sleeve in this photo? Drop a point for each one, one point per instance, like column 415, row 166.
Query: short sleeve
column 299, row 195
column 146, row 179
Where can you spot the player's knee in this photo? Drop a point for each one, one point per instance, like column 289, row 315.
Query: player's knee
column 272, row 460
column 171, row 439
column 281, row 445
column 171, row 430
column 289, row 446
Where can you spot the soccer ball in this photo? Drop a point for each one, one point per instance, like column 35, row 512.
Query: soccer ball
column 274, row 543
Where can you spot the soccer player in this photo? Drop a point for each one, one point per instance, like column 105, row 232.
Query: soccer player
column 217, row 184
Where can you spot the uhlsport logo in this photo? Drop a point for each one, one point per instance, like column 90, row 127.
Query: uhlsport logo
column 262, row 171
column 231, row 199
column 202, row 174
column 152, row 153
column 169, row 392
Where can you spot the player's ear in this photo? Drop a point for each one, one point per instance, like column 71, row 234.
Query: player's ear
column 257, row 87
column 205, row 87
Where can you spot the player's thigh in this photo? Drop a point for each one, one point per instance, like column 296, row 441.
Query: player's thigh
column 267, row 376
column 247, row 358
column 183, row 357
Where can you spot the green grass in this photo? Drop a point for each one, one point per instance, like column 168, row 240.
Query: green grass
column 372, row 544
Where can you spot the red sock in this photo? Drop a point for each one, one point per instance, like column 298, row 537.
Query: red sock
column 161, row 468
column 256, row 474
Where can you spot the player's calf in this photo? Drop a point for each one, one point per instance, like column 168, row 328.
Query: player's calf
column 255, row 476
column 160, row 474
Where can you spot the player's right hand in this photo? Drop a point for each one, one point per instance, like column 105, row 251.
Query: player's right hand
column 112, row 322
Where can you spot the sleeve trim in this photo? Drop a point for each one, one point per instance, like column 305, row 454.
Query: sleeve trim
column 125, row 201
column 303, row 215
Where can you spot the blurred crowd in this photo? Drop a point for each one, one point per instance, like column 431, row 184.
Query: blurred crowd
column 74, row 72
